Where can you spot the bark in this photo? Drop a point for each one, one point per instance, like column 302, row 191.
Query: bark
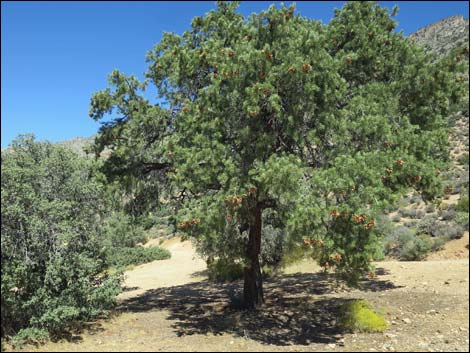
column 253, row 287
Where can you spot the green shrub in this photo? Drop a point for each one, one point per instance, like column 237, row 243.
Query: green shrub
column 356, row 315
column 430, row 208
column 123, row 257
column 411, row 213
column 463, row 159
column 427, row 224
column 121, row 232
column 30, row 335
column 462, row 205
column 224, row 270
column 462, row 220
column 414, row 248
column 51, row 250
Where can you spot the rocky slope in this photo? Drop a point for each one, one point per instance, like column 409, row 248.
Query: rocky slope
column 442, row 36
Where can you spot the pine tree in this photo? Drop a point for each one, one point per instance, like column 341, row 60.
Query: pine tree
column 276, row 116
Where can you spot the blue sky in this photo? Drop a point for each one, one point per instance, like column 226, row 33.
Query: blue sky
column 54, row 55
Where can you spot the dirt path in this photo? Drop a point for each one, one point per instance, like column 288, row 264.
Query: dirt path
column 172, row 307
column 183, row 267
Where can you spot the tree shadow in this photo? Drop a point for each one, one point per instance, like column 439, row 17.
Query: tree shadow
column 73, row 333
column 291, row 315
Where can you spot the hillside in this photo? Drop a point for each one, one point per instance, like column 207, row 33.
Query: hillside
column 77, row 144
column 442, row 36
column 412, row 217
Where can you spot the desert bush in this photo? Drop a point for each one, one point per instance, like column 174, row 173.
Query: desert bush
column 462, row 220
column 225, row 270
column 410, row 224
column 462, row 205
column 121, row 231
column 391, row 242
column 51, row 252
column 411, row 213
column 414, row 248
column 448, row 231
column 463, row 159
column 430, row 208
column 449, row 214
column 30, row 335
column 123, row 257
column 404, row 244
column 427, row 224
column 416, row 198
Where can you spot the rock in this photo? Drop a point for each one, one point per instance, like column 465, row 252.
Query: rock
column 331, row 345
column 388, row 346
column 462, row 329
column 430, row 312
column 406, row 320
column 390, row 335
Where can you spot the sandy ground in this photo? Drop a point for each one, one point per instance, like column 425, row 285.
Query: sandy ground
column 170, row 306
column 181, row 268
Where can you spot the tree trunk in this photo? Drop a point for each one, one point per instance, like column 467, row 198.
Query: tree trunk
column 253, row 287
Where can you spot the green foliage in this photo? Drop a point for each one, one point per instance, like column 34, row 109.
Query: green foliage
column 414, row 248
column 122, row 257
column 223, row 270
column 30, row 335
column 463, row 159
column 462, row 205
column 356, row 315
column 121, row 231
column 277, row 112
column 51, row 257
column 404, row 244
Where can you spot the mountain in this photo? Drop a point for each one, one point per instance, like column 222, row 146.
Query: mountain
column 77, row 144
column 442, row 36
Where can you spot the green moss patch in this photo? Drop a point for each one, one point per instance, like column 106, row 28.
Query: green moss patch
column 356, row 315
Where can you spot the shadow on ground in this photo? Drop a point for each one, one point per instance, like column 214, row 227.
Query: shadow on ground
column 298, row 309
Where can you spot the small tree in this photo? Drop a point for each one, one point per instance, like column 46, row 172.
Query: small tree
column 51, row 257
column 321, row 124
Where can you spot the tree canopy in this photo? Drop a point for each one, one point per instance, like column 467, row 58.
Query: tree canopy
column 277, row 123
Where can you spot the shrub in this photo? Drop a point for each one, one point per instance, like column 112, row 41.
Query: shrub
column 430, row 208
column 122, row 257
column 410, row 224
column 449, row 231
column 463, row 159
column 462, row 205
column 416, row 199
column 396, row 218
column 414, row 248
column 462, row 220
column 427, row 224
column 51, row 255
column 356, row 315
column 225, row 270
column 448, row 215
column 121, row 232
column 411, row 213
column 30, row 335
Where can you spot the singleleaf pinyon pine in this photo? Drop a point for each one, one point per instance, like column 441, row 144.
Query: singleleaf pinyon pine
column 277, row 118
